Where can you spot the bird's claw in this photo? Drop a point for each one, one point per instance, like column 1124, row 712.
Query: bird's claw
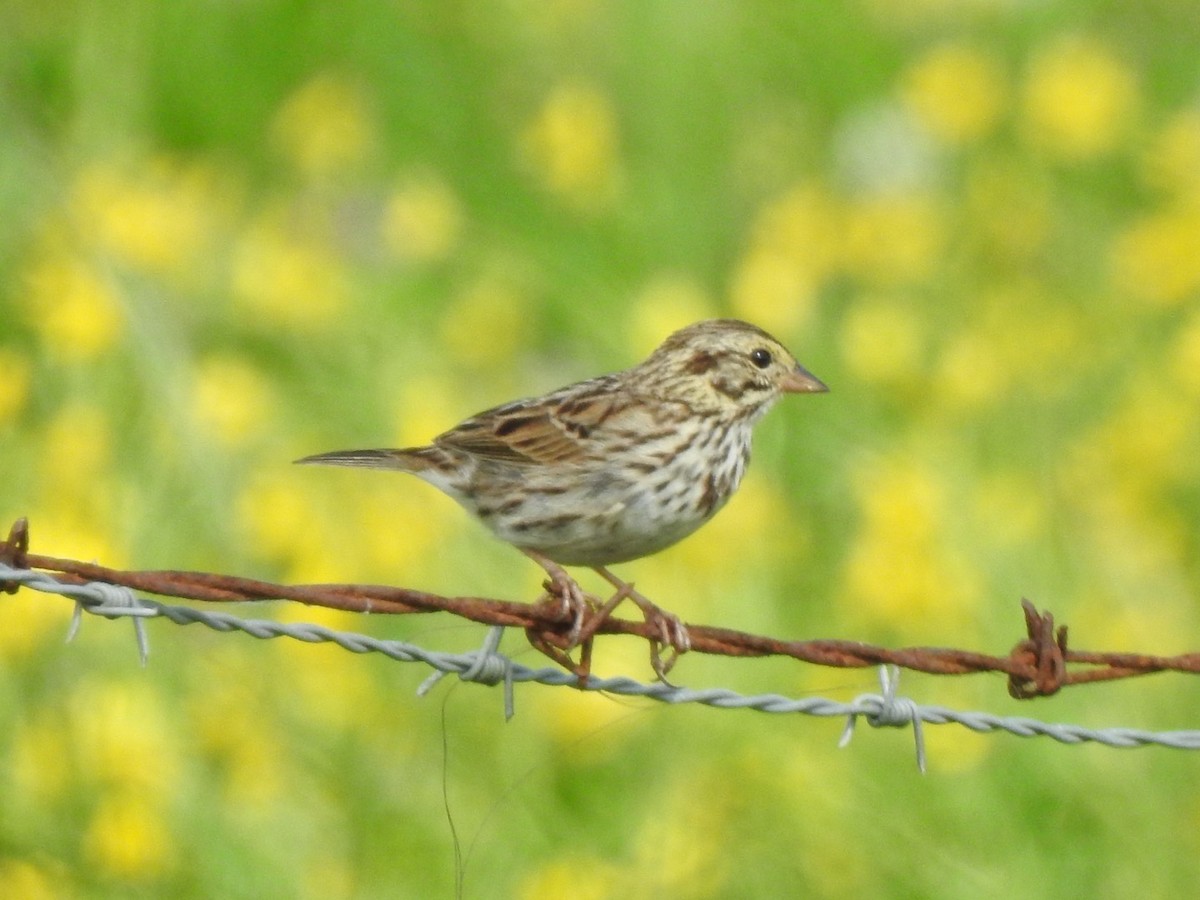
column 672, row 632
column 586, row 616
column 574, row 603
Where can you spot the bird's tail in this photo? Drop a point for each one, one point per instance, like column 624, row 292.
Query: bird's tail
column 411, row 460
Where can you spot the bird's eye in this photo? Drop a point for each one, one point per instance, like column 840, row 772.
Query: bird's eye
column 761, row 357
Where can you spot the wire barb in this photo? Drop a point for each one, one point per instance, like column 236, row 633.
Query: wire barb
column 117, row 602
column 887, row 710
column 14, row 552
column 1044, row 652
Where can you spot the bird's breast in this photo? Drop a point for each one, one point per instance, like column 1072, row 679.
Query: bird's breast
column 624, row 508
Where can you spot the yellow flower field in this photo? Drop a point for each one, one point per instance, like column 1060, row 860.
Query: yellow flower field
column 234, row 234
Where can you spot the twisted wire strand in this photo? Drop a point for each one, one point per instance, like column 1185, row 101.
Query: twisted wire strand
column 488, row 666
column 1039, row 665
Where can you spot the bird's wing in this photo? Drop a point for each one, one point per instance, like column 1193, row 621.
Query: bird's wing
column 557, row 428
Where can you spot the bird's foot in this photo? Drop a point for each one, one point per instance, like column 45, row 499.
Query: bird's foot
column 670, row 630
column 574, row 602
column 574, row 605
column 586, row 617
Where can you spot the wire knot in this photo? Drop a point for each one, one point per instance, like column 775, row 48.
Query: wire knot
column 893, row 712
column 1044, row 653
column 13, row 552
column 887, row 710
column 114, row 601
column 488, row 666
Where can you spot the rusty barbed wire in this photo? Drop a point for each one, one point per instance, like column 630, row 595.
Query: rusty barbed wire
column 1038, row 665
column 488, row 666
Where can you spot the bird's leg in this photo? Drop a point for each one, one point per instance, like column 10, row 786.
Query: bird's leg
column 671, row 631
column 570, row 594
column 582, row 670
column 575, row 603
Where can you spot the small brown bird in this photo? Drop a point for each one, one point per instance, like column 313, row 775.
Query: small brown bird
column 614, row 468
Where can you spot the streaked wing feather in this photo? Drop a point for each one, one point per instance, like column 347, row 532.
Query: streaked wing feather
column 554, row 429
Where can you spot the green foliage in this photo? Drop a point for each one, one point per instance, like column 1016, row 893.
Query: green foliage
column 232, row 234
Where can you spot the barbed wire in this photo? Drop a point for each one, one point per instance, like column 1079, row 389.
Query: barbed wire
column 1038, row 665
column 488, row 666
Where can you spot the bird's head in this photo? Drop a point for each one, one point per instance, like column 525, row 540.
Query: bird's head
column 726, row 367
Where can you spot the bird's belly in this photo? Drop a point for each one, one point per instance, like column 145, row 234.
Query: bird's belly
column 603, row 518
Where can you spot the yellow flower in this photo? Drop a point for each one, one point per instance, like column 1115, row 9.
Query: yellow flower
column 155, row 214
column 77, row 489
column 76, row 483
column 1150, row 437
column 667, row 302
column 16, row 373
column 238, row 729
column 429, row 404
column 900, row 568
column 1139, row 546
column 1184, row 357
column 680, row 844
column 774, row 291
column 33, row 621
column 1118, row 475
column 793, row 251
column 288, row 278
column 957, row 91
column 894, row 238
column 128, row 839
column 357, row 525
column 485, row 324
column 333, row 873
column 19, row 878
column 332, row 688
column 268, row 508
column 116, row 721
column 959, row 750
column 67, row 525
column 756, row 522
column 1079, row 99
column 231, row 399
column 971, row 370
column 77, row 446
column 75, row 310
column 882, row 341
column 1019, row 335
column 423, row 220
column 573, row 720
column 801, row 226
column 571, row 146
column 560, row 878
column 1156, row 259
column 324, row 127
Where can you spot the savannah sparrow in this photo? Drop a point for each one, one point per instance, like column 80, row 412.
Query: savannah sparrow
column 616, row 467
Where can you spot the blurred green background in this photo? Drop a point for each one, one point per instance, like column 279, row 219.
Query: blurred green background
column 235, row 233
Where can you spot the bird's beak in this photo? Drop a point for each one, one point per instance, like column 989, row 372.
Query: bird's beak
column 802, row 381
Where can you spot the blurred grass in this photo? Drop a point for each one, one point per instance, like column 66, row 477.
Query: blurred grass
column 234, row 234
